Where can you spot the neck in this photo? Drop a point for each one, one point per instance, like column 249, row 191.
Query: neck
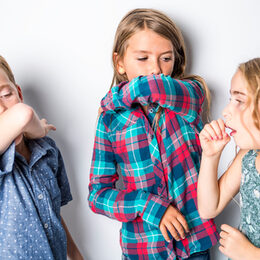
column 22, row 149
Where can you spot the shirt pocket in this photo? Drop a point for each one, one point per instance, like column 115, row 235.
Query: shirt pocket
column 133, row 156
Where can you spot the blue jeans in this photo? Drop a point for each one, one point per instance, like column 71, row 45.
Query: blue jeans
column 204, row 255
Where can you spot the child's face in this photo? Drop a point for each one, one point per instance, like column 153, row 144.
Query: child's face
column 9, row 93
column 238, row 115
column 147, row 53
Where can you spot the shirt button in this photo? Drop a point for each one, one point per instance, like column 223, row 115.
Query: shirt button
column 151, row 110
column 40, row 196
column 160, row 185
column 46, row 225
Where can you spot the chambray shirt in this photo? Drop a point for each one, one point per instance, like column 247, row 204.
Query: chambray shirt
column 159, row 165
column 31, row 195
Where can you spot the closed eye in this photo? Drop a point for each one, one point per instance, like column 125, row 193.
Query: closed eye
column 142, row 58
column 166, row 59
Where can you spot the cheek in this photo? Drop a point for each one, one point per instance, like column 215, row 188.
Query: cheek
column 167, row 68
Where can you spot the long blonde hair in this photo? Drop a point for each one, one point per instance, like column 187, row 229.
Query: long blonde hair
column 140, row 19
column 251, row 73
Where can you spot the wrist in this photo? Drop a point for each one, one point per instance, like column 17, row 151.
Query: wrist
column 213, row 157
column 253, row 253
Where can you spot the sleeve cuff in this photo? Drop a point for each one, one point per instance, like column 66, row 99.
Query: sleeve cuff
column 154, row 209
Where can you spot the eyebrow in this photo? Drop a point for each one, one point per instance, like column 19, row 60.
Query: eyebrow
column 143, row 51
column 235, row 92
column 5, row 85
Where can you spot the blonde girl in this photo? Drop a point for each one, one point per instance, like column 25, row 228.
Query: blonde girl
column 148, row 132
column 242, row 117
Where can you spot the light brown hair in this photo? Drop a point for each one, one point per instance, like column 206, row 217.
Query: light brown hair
column 5, row 66
column 140, row 19
column 251, row 73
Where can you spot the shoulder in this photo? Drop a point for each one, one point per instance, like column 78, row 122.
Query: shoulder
column 47, row 144
column 235, row 168
column 49, row 141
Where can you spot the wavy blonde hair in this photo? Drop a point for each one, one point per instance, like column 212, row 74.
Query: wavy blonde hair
column 251, row 73
column 140, row 19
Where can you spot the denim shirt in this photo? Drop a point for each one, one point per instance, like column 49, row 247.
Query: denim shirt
column 31, row 195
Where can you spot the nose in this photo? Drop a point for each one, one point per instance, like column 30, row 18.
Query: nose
column 2, row 107
column 226, row 112
column 156, row 68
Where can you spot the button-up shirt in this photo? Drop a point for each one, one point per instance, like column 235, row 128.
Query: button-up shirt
column 31, row 195
column 159, row 165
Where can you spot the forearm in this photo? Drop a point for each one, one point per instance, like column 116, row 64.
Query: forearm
column 208, row 187
column 126, row 206
column 13, row 123
column 72, row 250
column 254, row 253
column 185, row 97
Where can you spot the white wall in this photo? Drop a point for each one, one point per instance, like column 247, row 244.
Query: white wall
column 60, row 54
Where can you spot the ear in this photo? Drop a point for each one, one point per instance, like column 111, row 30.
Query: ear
column 19, row 92
column 119, row 64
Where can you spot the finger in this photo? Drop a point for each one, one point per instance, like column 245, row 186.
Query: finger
column 204, row 135
column 223, row 234
column 227, row 228
column 222, row 242
column 215, row 125
column 173, row 231
column 222, row 127
column 179, row 228
column 164, row 233
column 211, row 131
column 52, row 127
column 184, row 223
column 222, row 249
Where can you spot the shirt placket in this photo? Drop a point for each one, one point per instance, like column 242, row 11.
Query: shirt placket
column 154, row 146
column 40, row 197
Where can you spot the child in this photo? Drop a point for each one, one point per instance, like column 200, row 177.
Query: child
column 33, row 181
column 242, row 116
column 149, row 133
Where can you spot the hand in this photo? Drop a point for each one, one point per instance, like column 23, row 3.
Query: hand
column 100, row 110
column 40, row 129
column 46, row 127
column 175, row 223
column 234, row 244
column 213, row 137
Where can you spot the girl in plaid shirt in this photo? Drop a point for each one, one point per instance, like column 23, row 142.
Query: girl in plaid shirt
column 148, row 133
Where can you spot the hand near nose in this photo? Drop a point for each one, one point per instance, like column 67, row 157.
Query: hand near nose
column 173, row 222
column 213, row 137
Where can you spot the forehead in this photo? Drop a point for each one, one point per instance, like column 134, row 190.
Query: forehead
column 238, row 84
column 149, row 40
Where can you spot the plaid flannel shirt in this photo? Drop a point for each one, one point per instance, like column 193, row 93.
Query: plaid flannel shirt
column 158, row 165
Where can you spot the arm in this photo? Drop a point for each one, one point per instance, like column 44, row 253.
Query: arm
column 104, row 198
column 185, row 97
column 236, row 246
column 72, row 250
column 20, row 119
column 214, row 194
